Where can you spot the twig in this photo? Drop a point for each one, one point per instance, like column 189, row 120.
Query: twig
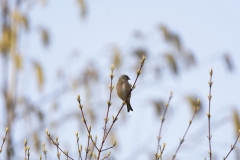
column 107, row 155
column 209, row 114
column 92, row 153
column 4, row 139
column 58, row 153
column 163, row 119
column 79, row 147
column 232, row 147
column 44, row 151
column 85, row 122
column 87, row 148
column 114, row 144
column 25, row 149
column 57, row 144
column 159, row 156
column 190, row 122
column 28, row 152
column 109, row 101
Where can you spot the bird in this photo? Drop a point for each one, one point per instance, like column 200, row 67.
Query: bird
column 123, row 90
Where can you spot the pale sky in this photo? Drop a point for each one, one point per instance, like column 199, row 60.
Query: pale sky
column 208, row 29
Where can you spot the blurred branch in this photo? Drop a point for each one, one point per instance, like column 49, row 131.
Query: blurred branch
column 190, row 122
column 163, row 119
column 232, row 147
column 209, row 114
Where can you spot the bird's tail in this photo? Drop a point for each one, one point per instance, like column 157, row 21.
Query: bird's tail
column 129, row 107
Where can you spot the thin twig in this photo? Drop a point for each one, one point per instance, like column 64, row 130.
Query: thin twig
column 163, row 119
column 209, row 114
column 57, row 145
column 233, row 147
column 79, row 147
column 4, row 139
column 85, row 122
column 25, row 149
column 44, row 151
column 159, row 156
column 108, row 102
column 92, row 153
column 28, row 152
column 190, row 122
column 58, row 153
column 87, row 149
column 109, row 147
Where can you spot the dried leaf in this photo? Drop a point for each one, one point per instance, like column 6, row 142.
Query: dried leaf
column 36, row 141
column 20, row 19
column 45, row 36
column 6, row 40
column 159, row 107
column 83, row 8
column 18, row 61
column 116, row 57
column 172, row 63
column 171, row 37
column 140, row 52
column 229, row 62
column 39, row 74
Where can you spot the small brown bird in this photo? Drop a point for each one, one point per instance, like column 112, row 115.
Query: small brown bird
column 123, row 88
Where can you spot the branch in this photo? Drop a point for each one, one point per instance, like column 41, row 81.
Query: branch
column 190, row 122
column 114, row 144
column 163, row 119
column 232, row 147
column 4, row 139
column 116, row 117
column 57, row 145
column 209, row 114
column 87, row 148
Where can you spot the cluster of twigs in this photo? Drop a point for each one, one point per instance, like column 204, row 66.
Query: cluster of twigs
column 106, row 119
column 99, row 149
column 160, row 149
column 90, row 151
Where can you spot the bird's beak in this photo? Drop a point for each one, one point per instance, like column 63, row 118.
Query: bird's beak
column 128, row 78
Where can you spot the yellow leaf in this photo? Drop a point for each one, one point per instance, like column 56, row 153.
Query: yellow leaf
column 39, row 74
column 20, row 19
column 5, row 40
column 116, row 57
column 236, row 121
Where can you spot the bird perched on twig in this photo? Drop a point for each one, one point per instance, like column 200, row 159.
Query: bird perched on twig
column 123, row 89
